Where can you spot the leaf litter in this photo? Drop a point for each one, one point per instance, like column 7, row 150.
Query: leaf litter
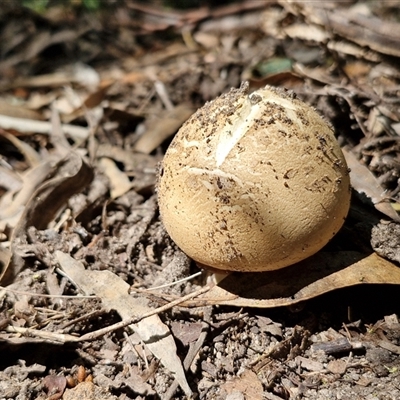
column 82, row 243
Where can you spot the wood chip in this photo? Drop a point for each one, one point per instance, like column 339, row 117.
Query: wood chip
column 337, row 367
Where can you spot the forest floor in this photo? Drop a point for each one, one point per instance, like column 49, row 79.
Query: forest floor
column 89, row 102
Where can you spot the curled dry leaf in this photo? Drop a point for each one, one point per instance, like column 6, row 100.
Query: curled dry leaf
column 12, row 204
column 162, row 127
column 119, row 181
column 310, row 278
column 186, row 333
column 71, row 175
column 349, row 23
column 363, row 181
column 9, row 179
column 30, row 155
column 18, row 111
column 54, row 386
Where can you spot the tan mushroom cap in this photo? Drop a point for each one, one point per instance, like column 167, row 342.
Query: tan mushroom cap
column 253, row 182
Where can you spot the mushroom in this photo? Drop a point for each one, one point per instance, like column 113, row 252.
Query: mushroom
column 253, row 182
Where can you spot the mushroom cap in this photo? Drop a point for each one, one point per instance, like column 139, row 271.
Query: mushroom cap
column 253, row 182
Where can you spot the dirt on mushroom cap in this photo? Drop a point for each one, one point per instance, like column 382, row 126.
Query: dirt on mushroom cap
column 253, row 182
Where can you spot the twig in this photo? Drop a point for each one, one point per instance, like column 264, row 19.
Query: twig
column 163, row 95
column 176, row 282
column 30, row 125
column 65, row 338
column 84, row 317
column 48, row 336
column 178, row 19
column 136, row 319
column 49, row 296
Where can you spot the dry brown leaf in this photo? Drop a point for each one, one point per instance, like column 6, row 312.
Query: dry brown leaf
column 38, row 205
column 247, row 385
column 162, row 127
column 337, row 367
column 365, row 30
column 57, row 136
column 309, row 364
column 306, row 32
column 113, row 292
column 38, row 100
column 349, row 23
column 71, row 175
column 287, row 79
column 357, row 70
column 24, row 311
column 352, row 49
column 9, row 179
column 119, row 181
column 18, row 111
column 30, row 154
column 186, row 333
column 12, row 204
column 134, row 77
column 267, row 325
column 310, row 278
column 55, row 79
column 5, row 257
column 386, row 344
column 54, row 386
column 95, row 98
column 140, row 167
column 363, row 181
column 136, row 381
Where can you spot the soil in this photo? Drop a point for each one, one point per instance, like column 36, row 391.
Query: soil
column 96, row 300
